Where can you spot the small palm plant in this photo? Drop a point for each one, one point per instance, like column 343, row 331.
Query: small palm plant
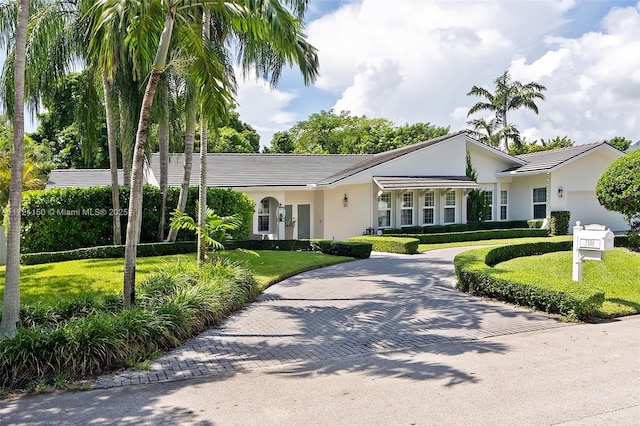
column 214, row 230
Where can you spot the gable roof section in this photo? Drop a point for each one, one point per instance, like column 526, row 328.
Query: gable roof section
column 258, row 170
column 546, row 161
column 81, row 178
column 383, row 157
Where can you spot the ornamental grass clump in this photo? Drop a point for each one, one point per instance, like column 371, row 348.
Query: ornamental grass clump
column 93, row 335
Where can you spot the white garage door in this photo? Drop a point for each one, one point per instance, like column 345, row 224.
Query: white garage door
column 584, row 207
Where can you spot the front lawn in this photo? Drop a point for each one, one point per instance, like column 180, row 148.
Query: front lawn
column 53, row 282
column 503, row 242
column 618, row 275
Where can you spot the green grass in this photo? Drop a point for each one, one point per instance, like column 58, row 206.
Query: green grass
column 53, row 282
column 506, row 241
column 618, row 275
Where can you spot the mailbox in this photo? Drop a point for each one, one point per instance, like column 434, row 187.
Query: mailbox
column 589, row 243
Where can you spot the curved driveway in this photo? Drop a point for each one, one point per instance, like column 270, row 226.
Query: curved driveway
column 385, row 303
column 382, row 341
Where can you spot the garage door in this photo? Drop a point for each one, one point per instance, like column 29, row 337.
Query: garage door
column 584, row 207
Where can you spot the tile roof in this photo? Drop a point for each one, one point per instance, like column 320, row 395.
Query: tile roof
column 258, row 170
column 547, row 160
column 423, row 182
column 81, row 178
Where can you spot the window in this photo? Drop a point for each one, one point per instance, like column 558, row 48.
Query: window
column 428, row 208
column 263, row 215
column 539, row 203
column 406, row 210
column 450, row 207
column 503, row 205
column 384, row 210
column 488, row 196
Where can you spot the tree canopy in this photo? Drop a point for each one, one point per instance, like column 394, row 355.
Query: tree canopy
column 329, row 133
column 620, row 143
column 618, row 188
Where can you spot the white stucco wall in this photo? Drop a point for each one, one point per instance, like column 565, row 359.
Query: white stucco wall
column 342, row 222
column 521, row 195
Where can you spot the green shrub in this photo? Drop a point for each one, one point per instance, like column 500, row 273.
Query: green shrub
column 456, row 227
column 283, row 245
column 535, row 223
column 559, row 222
column 355, row 249
column 386, row 231
column 402, row 245
column 450, row 237
column 433, row 229
column 474, row 276
column 411, row 230
column 89, row 337
column 105, row 252
column 69, row 218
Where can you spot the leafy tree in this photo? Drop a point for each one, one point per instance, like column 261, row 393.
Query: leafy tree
column 541, row 145
column 329, row 133
column 509, row 95
column 477, row 202
column 618, row 189
column 620, row 143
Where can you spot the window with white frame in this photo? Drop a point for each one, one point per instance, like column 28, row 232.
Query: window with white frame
column 450, row 207
column 539, row 203
column 504, row 198
column 384, row 210
column 488, row 196
column 263, row 215
column 428, row 208
column 406, row 209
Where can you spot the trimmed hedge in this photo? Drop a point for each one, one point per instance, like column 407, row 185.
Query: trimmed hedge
column 559, row 222
column 402, row 245
column 456, row 227
column 495, row 234
column 473, row 272
column 106, row 252
column 535, row 223
column 70, row 218
column 358, row 250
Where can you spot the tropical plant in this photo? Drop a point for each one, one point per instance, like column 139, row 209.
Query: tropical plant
column 620, row 143
column 618, row 189
column 212, row 231
column 11, row 298
column 509, row 95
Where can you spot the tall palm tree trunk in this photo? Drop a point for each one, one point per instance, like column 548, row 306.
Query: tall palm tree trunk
column 202, row 191
column 137, row 169
column 113, row 160
column 11, row 300
column 124, row 144
column 190, row 134
column 163, row 142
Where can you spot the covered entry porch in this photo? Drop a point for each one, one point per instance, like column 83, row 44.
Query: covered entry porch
column 405, row 201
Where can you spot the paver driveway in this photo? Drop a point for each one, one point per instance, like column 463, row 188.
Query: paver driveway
column 382, row 304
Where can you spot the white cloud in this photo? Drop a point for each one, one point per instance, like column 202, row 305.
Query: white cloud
column 415, row 61
column 264, row 108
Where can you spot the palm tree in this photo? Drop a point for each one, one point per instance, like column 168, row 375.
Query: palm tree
column 11, row 300
column 489, row 134
column 508, row 96
column 202, row 192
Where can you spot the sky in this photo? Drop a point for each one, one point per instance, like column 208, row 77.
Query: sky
column 415, row 61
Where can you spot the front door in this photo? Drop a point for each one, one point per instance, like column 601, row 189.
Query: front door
column 304, row 221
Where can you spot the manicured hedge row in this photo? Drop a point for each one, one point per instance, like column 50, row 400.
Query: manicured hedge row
column 105, row 252
column 70, row 218
column 402, row 245
column 474, row 276
column 457, row 227
column 495, row 234
column 358, row 250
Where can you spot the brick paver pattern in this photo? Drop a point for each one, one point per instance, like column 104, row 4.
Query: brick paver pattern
column 379, row 305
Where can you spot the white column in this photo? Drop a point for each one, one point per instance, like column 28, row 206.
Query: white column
column 577, row 261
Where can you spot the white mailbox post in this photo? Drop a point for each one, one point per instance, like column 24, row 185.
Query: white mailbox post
column 589, row 243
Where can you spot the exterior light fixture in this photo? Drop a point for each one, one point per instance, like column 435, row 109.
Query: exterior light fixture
column 345, row 201
column 281, row 213
column 560, row 192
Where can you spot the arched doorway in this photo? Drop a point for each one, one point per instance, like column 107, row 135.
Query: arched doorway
column 266, row 220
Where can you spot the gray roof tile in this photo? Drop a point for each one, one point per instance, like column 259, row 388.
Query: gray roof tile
column 423, row 182
column 547, row 160
column 81, row 178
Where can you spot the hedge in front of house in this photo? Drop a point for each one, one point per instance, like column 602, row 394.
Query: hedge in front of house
column 474, row 276
column 356, row 250
column 70, row 218
column 395, row 244
column 106, row 252
column 559, row 222
column 495, row 234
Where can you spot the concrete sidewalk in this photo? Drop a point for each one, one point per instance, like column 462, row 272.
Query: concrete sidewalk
column 380, row 341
